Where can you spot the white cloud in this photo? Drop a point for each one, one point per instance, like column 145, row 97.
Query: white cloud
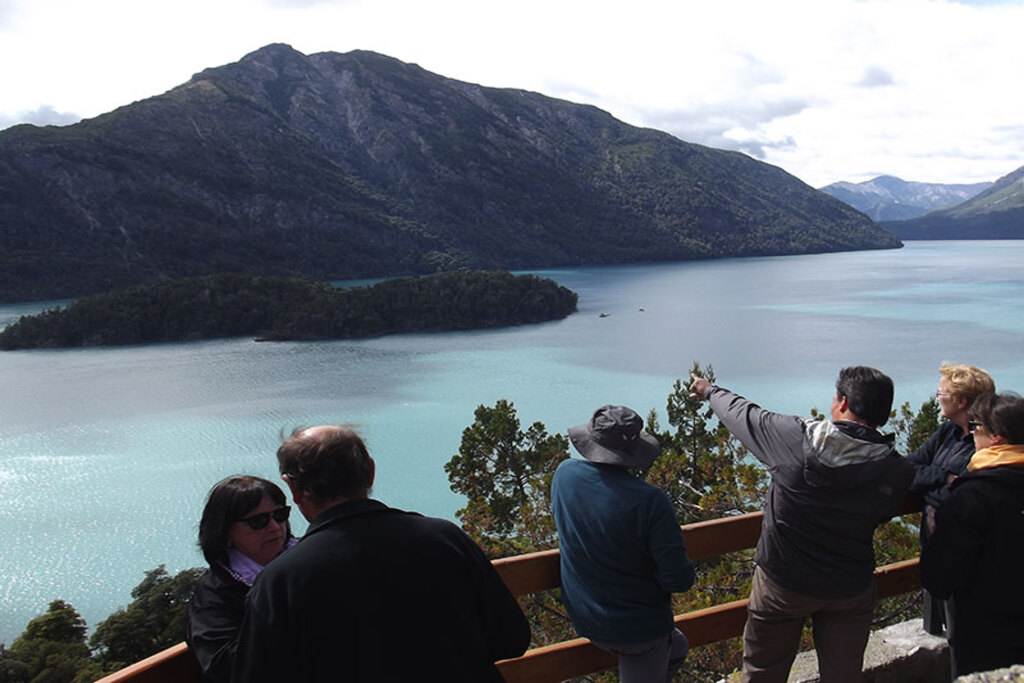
column 44, row 115
column 827, row 89
column 875, row 77
column 299, row 4
column 7, row 12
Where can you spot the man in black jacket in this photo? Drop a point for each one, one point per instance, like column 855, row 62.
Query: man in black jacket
column 833, row 482
column 371, row 593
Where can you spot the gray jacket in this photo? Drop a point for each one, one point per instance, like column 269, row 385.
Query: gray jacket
column 832, row 485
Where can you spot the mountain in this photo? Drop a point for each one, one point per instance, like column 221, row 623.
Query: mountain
column 887, row 198
column 996, row 213
column 334, row 166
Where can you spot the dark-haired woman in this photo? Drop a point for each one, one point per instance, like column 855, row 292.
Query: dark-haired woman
column 975, row 555
column 244, row 526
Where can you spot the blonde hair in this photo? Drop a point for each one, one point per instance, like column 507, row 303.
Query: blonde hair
column 966, row 381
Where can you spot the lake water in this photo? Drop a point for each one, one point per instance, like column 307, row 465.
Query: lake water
column 106, row 455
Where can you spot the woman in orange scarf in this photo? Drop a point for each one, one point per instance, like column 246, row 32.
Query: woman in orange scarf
column 975, row 555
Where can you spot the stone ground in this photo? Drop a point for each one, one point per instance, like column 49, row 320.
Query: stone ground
column 901, row 653
column 1015, row 674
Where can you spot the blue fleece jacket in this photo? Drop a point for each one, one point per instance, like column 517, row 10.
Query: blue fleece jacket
column 622, row 552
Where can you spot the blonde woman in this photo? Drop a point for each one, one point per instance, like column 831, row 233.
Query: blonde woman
column 944, row 457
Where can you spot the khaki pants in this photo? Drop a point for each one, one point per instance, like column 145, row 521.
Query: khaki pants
column 775, row 619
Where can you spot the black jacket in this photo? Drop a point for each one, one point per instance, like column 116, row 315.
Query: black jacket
column 975, row 556
column 376, row 594
column 946, row 452
column 832, row 485
column 214, row 618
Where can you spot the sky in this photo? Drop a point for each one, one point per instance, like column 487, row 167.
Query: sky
column 828, row 90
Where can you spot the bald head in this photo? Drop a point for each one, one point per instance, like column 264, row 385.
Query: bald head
column 319, row 432
column 326, row 464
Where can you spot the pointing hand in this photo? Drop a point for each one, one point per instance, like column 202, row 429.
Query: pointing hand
column 698, row 387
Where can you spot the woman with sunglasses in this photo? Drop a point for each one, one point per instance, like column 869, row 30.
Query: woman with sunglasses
column 977, row 550
column 244, row 526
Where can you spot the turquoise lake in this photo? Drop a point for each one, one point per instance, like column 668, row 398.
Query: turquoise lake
column 106, row 455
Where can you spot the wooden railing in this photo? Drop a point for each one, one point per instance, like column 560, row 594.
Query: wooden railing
column 536, row 572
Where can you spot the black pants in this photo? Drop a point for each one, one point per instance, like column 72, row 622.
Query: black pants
column 937, row 613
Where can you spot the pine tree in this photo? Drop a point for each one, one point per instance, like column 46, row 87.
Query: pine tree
column 153, row 621
column 52, row 649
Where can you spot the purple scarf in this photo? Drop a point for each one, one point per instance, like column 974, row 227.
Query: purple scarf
column 243, row 568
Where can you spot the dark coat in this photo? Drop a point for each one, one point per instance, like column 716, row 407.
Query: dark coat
column 946, row 452
column 975, row 557
column 832, row 485
column 214, row 618
column 376, row 594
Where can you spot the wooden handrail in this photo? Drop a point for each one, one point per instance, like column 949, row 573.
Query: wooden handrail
column 539, row 571
column 578, row 657
column 173, row 665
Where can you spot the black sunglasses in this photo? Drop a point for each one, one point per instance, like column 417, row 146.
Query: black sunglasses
column 972, row 426
column 260, row 521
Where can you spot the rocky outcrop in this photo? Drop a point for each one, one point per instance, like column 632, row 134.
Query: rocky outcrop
column 1014, row 674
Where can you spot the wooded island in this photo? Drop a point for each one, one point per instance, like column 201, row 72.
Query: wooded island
column 281, row 309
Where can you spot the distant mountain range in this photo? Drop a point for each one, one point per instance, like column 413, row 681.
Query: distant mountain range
column 996, row 213
column 932, row 211
column 334, row 166
column 887, row 198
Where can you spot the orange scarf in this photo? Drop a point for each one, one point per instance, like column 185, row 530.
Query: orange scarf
column 996, row 456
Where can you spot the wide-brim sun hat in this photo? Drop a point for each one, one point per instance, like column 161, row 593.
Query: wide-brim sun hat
column 615, row 436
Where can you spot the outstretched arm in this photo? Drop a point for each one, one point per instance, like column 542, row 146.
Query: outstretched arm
column 772, row 438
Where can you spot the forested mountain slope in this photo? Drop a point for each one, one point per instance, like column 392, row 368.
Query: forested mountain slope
column 336, row 166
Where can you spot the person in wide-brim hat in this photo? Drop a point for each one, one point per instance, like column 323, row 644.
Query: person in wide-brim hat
column 615, row 436
column 621, row 551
